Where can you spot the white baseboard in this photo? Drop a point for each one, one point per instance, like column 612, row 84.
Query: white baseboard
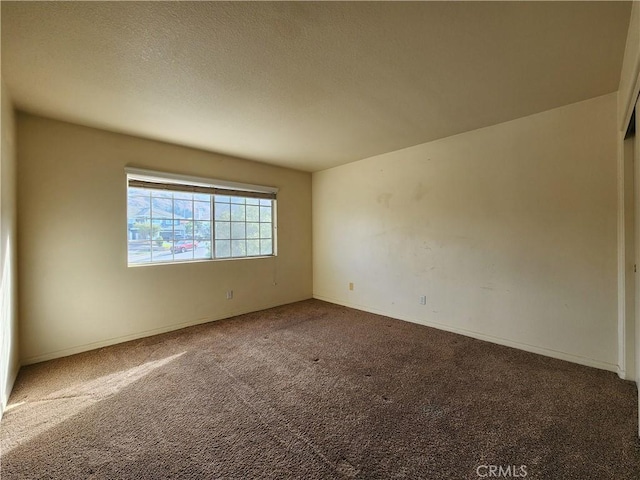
column 589, row 362
column 145, row 333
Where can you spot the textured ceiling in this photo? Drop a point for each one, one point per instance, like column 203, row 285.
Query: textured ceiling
column 307, row 85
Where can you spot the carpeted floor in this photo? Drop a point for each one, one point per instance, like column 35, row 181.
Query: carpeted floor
column 313, row 390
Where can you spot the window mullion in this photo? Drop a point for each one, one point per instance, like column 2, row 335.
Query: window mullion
column 173, row 227
column 212, row 199
column 150, row 226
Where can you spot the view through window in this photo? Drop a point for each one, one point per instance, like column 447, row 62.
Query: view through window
column 177, row 223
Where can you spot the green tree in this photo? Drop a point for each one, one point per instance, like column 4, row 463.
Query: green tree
column 146, row 230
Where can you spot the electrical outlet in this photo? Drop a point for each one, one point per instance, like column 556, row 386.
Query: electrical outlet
column 350, row 285
column 229, row 294
column 423, row 300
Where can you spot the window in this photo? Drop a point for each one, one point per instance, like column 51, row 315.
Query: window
column 173, row 218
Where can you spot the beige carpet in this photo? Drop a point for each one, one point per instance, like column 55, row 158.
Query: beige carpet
column 317, row 391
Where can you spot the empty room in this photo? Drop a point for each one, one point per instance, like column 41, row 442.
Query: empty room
column 320, row 240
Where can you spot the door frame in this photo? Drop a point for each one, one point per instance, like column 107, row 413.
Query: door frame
column 628, row 366
column 627, row 220
column 625, row 313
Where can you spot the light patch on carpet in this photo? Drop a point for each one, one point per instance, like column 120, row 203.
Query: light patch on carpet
column 70, row 401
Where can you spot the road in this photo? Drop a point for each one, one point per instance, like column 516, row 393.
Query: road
column 165, row 255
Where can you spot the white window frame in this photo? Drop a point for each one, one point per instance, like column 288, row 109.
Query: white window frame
column 153, row 176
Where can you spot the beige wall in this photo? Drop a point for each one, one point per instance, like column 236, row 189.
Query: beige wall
column 9, row 359
column 630, row 75
column 76, row 290
column 509, row 231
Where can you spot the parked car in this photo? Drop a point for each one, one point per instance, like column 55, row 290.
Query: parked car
column 184, row 245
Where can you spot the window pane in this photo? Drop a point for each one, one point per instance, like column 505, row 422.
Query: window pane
column 265, row 230
column 137, row 191
column 202, row 210
column 156, row 226
column 184, row 249
column 161, row 250
column 139, row 251
column 265, row 214
column 223, row 230
column 253, row 213
column 238, row 248
column 253, row 201
column 141, row 231
column 183, row 196
column 253, row 247
column 239, row 200
column 183, row 209
column 182, row 230
column 265, row 203
column 237, row 230
column 162, row 208
column 202, row 230
column 138, row 205
column 253, row 230
column 222, row 211
column 266, row 247
column 173, row 246
column 223, row 248
column 203, row 249
column 165, row 233
column 237, row 213
column 205, row 197
column 138, row 217
column 141, row 217
column 222, row 198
